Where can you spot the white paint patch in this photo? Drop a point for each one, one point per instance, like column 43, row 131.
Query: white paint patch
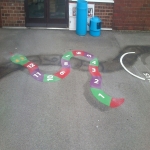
column 147, row 75
column 126, row 68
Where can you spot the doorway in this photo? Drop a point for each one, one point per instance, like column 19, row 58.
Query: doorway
column 46, row 13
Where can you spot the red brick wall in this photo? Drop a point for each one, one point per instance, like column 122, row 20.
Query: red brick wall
column 131, row 15
column 105, row 12
column 12, row 13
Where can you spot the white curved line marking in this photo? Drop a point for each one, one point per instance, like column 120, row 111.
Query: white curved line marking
column 126, row 68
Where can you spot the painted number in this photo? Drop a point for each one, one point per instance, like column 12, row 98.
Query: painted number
column 96, row 81
column 101, row 95
column 147, row 75
column 67, row 55
column 94, row 62
column 78, row 52
column 65, row 63
column 93, row 70
column 88, row 55
column 31, row 65
column 50, row 77
column 62, row 72
column 37, row 74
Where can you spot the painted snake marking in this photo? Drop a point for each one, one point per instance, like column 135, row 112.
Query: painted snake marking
column 95, row 82
column 111, row 65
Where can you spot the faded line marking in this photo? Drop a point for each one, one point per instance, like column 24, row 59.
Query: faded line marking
column 121, row 58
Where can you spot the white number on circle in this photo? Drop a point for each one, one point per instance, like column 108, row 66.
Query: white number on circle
column 93, row 70
column 88, row 55
column 62, row 72
column 96, row 81
column 94, row 62
column 78, row 52
column 31, row 65
column 50, row 77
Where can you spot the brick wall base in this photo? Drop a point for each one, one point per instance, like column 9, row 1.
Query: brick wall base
column 131, row 15
column 105, row 12
column 12, row 13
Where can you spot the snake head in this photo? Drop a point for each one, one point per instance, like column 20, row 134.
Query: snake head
column 19, row 59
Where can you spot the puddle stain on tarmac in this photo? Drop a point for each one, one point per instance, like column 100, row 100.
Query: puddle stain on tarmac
column 82, row 65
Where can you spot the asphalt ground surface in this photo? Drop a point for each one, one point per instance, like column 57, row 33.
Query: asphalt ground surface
column 64, row 115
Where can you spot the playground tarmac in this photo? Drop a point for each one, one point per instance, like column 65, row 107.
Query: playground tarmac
column 64, row 115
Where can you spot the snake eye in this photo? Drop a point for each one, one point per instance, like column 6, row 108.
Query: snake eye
column 17, row 60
